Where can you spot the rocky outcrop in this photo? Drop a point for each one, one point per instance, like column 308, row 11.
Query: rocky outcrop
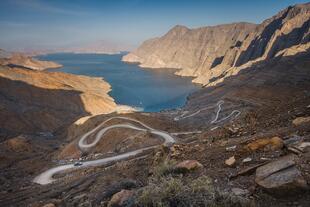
column 281, row 176
column 34, row 101
column 211, row 53
column 20, row 60
column 123, row 198
column 266, row 144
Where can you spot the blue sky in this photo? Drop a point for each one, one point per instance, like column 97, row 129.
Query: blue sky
column 43, row 24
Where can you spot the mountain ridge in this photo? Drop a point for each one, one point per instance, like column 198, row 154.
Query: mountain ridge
column 24, row 61
column 207, row 53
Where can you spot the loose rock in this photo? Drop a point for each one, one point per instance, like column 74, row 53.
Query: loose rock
column 240, row 192
column 293, row 140
column 231, row 149
column 304, row 146
column 122, row 198
column 231, row 161
column 49, row 205
column 248, row 159
column 281, row 176
column 187, row 166
column 301, row 120
column 176, row 150
column 266, row 144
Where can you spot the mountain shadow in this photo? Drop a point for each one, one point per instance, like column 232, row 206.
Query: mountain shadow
column 28, row 109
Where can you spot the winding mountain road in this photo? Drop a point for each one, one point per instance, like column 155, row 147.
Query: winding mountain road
column 216, row 118
column 47, row 176
column 219, row 104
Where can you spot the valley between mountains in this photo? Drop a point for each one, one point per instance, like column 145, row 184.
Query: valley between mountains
column 242, row 139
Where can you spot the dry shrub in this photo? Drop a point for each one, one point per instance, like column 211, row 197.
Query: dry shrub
column 178, row 191
column 165, row 189
column 164, row 168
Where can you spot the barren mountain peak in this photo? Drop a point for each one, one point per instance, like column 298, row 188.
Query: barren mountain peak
column 208, row 53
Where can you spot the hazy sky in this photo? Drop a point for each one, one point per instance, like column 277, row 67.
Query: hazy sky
column 42, row 24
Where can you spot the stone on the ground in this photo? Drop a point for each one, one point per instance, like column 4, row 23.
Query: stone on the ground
column 230, row 161
column 247, row 171
column 231, row 149
column 176, row 150
column 240, row 192
column 187, row 166
column 114, row 188
column 304, row 146
column 294, row 150
column 122, row 198
column 281, row 177
column 248, row 159
column 49, row 205
column 293, row 140
column 267, row 144
column 297, row 144
column 301, row 120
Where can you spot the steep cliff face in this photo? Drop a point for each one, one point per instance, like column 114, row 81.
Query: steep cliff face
column 207, row 53
column 33, row 101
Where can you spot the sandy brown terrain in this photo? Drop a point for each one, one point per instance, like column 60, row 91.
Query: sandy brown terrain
column 21, row 60
column 241, row 140
column 269, row 96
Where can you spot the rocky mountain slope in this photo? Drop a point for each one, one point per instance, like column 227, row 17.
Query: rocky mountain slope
column 259, row 158
column 208, row 53
column 34, row 101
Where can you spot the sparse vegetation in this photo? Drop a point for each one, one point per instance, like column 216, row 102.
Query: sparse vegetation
column 164, row 168
column 251, row 118
column 166, row 190
column 185, row 192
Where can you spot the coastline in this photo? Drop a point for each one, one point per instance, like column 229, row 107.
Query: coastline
column 138, row 100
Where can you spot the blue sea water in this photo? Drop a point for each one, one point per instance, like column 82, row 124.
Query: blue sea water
column 152, row 90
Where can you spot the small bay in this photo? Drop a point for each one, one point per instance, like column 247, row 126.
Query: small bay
column 151, row 90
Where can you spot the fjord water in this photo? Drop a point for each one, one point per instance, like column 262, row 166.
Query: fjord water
column 152, row 90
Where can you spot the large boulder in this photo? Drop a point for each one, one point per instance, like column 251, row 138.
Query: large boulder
column 114, row 188
column 187, row 166
column 281, row 177
column 122, row 199
column 266, row 144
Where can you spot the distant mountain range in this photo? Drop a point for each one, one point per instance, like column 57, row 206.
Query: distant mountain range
column 99, row 47
column 210, row 54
